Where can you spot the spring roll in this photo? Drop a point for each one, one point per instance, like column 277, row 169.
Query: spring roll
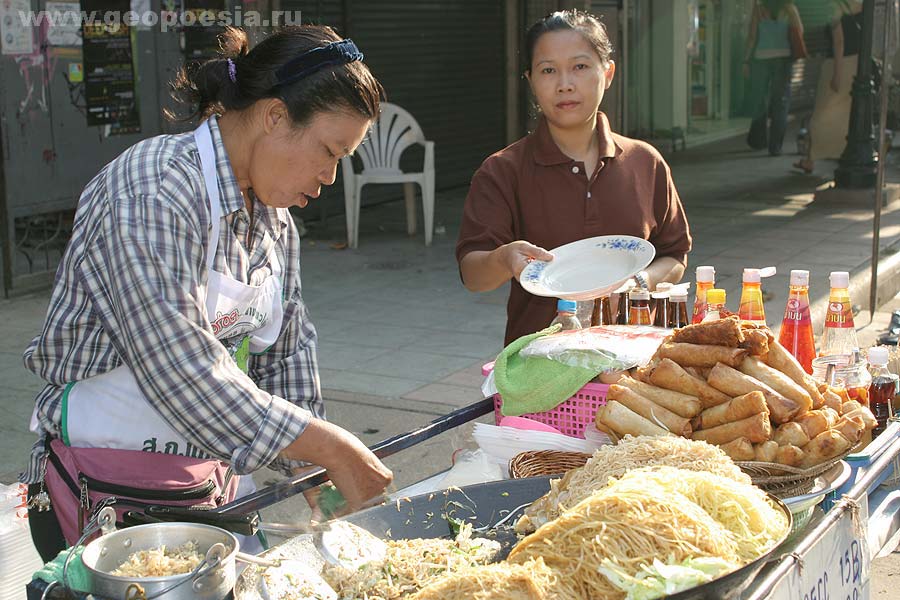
column 733, row 410
column 780, row 359
column 778, row 381
column 851, row 427
column 649, row 410
column 698, row 355
column 824, row 447
column 814, row 423
column 791, row 433
column 739, row 449
column 733, row 382
column 723, row 332
column 863, row 413
column 669, row 374
column 833, row 401
column 756, row 429
column 756, row 342
column 789, row 455
column 765, row 452
column 623, row 420
column 683, row 405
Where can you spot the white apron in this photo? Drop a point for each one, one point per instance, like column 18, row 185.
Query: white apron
column 109, row 411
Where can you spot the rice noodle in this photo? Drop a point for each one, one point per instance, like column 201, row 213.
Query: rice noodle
column 161, row 561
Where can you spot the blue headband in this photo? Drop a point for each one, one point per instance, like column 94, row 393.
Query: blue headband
column 335, row 53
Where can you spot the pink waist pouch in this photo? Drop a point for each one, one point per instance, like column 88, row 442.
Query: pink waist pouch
column 77, row 479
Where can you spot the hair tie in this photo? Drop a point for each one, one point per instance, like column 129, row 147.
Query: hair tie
column 232, row 71
column 335, row 53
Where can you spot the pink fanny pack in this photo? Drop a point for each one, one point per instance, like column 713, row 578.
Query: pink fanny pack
column 77, row 479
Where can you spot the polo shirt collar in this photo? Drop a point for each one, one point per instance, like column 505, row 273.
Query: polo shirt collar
column 547, row 153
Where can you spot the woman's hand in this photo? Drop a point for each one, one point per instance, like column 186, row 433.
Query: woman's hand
column 835, row 82
column 515, row 256
column 353, row 468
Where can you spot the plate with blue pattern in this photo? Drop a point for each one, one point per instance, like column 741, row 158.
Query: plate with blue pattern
column 588, row 268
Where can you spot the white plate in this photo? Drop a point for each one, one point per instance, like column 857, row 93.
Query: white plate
column 588, row 269
column 826, row 483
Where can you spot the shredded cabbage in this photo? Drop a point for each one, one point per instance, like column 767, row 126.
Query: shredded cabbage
column 661, row 579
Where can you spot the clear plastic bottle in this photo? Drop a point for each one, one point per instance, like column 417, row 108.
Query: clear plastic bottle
column 882, row 388
column 706, row 280
column 565, row 315
column 839, row 337
column 639, row 307
column 715, row 300
column 796, row 327
column 751, row 307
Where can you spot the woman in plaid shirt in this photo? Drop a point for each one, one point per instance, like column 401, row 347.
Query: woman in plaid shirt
column 177, row 332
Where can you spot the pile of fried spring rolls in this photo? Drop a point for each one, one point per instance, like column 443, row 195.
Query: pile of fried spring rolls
column 730, row 383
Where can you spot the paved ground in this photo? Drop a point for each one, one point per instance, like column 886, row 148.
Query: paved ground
column 402, row 341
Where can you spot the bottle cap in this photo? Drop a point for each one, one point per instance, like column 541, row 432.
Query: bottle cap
column 566, row 306
column 706, row 274
column 678, row 295
column 839, row 279
column 715, row 296
column 878, row 355
column 639, row 294
column 660, row 295
column 799, row 277
column 663, row 286
column 754, row 275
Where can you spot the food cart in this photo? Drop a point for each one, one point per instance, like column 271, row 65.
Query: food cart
column 829, row 558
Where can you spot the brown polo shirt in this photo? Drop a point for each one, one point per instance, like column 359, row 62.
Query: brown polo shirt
column 532, row 191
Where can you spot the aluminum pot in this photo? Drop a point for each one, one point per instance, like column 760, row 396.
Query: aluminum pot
column 106, row 553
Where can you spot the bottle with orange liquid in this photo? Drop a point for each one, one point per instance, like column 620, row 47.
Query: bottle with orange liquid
column 706, row 280
column 751, row 308
column 639, row 307
column 839, row 337
column 796, row 328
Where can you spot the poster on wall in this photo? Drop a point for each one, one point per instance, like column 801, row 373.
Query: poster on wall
column 109, row 79
column 64, row 28
column 15, row 33
column 201, row 39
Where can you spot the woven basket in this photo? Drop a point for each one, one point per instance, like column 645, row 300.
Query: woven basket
column 784, row 481
column 536, row 463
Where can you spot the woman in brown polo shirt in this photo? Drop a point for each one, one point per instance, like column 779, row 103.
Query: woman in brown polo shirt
column 572, row 178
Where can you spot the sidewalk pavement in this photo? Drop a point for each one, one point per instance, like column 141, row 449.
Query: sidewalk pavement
column 402, row 341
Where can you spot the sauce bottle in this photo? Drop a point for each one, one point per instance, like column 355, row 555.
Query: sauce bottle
column 706, row 280
column 796, row 328
column 678, row 313
column 715, row 299
column 751, row 307
column 839, row 337
column 602, row 313
column 882, row 388
column 639, row 309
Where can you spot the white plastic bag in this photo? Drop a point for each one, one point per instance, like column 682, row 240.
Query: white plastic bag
column 18, row 557
column 601, row 349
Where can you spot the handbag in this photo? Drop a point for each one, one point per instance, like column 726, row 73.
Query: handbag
column 80, row 480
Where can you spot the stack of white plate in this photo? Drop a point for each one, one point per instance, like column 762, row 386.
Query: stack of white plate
column 501, row 444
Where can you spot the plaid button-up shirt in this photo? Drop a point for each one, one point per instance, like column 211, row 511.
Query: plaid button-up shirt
column 131, row 290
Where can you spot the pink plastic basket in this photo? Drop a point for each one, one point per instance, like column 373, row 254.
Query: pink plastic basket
column 572, row 416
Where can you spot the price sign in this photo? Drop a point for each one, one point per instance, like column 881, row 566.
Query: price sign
column 836, row 568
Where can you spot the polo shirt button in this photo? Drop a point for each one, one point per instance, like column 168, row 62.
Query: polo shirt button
column 575, row 169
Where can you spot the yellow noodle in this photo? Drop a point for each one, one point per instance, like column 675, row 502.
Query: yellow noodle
column 660, row 513
column 531, row 580
column 614, row 461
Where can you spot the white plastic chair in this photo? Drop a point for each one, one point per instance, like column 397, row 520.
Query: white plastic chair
column 393, row 132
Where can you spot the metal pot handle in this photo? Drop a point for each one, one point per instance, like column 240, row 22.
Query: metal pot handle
column 106, row 519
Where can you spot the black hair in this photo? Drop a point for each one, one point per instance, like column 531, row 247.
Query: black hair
column 207, row 87
column 592, row 28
